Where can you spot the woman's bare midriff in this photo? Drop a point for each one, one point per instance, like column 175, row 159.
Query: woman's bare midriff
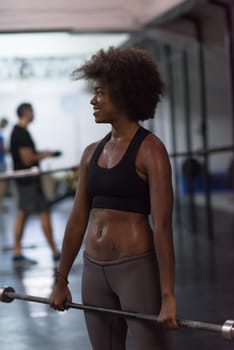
column 115, row 234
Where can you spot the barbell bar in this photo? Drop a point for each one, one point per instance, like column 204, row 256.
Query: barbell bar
column 33, row 172
column 8, row 294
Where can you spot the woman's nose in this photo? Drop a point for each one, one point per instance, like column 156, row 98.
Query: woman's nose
column 93, row 100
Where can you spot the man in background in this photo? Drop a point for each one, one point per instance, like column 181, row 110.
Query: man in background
column 31, row 198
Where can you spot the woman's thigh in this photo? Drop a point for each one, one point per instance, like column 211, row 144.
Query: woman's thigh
column 106, row 331
column 137, row 284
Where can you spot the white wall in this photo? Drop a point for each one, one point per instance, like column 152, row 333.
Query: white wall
column 56, row 44
column 63, row 114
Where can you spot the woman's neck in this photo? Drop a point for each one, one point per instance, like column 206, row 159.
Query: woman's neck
column 124, row 130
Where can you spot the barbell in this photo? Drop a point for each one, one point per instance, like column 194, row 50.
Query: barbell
column 8, row 294
column 33, row 172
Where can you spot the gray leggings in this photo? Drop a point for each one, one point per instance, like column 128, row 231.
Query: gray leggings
column 130, row 284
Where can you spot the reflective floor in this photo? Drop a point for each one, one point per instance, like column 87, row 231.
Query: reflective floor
column 204, row 284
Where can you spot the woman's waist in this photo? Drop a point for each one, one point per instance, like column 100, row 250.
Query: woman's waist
column 112, row 241
column 146, row 255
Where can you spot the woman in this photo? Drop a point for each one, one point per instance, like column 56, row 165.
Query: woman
column 124, row 178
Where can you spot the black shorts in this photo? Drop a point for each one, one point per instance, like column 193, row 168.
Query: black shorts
column 31, row 198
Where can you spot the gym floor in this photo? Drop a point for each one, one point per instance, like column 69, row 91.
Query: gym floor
column 204, row 285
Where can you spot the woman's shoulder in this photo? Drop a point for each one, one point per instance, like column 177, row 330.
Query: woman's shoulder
column 152, row 143
column 153, row 154
column 89, row 151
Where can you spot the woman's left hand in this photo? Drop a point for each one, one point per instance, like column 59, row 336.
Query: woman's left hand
column 167, row 315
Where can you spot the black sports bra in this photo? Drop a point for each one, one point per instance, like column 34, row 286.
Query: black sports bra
column 119, row 187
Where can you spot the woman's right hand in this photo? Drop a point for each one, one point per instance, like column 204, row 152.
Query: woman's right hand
column 60, row 296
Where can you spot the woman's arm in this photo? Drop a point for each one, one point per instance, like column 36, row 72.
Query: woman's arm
column 74, row 234
column 158, row 171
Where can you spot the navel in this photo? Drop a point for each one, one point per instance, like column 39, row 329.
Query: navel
column 99, row 234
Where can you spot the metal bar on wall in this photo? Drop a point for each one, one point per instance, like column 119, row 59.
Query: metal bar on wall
column 230, row 48
column 188, row 138
column 204, row 124
column 204, row 120
column 167, row 52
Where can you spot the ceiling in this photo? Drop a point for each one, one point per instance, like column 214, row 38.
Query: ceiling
column 81, row 15
column 156, row 19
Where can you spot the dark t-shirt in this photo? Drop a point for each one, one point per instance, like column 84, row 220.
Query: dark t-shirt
column 20, row 137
